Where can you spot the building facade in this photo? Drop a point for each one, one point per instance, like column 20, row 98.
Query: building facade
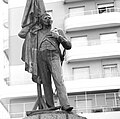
column 91, row 69
column 4, row 62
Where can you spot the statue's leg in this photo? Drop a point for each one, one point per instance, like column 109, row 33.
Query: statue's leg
column 40, row 99
column 47, row 85
column 59, row 84
column 45, row 75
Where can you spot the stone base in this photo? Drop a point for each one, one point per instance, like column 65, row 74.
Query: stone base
column 55, row 115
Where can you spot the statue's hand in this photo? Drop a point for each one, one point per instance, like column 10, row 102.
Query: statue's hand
column 55, row 35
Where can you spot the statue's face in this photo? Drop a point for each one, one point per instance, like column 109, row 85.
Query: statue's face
column 47, row 20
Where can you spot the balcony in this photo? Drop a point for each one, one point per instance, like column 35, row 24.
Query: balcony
column 4, row 114
column 23, row 107
column 96, row 81
column 94, row 104
column 91, row 20
column 94, row 50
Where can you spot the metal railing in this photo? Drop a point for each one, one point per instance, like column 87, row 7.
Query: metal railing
column 69, row 78
column 91, row 76
column 20, row 82
column 91, row 12
column 18, row 110
column 85, row 103
column 93, row 42
column 97, row 109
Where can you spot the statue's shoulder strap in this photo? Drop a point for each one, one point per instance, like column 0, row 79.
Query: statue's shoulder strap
column 42, row 38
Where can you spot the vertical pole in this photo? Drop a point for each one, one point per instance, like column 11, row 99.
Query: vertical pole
column 86, row 107
column 39, row 96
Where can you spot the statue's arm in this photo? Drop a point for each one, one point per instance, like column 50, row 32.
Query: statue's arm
column 64, row 41
column 24, row 31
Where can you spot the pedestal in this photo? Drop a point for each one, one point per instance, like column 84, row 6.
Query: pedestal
column 55, row 115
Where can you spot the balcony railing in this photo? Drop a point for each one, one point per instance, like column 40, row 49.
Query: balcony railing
column 91, row 19
column 20, row 112
column 98, row 109
column 69, row 78
column 20, row 82
column 93, row 42
column 93, row 48
column 91, row 12
column 92, row 76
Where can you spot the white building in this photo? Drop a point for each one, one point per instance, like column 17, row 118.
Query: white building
column 4, row 114
column 91, row 68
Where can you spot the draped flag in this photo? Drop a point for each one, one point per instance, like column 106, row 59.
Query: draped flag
column 34, row 9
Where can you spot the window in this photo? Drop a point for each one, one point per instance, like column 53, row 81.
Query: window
column 117, row 97
column 29, row 106
column 110, row 99
column 79, row 41
column 100, row 99
column 95, row 102
column 81, row 73
column 110, row 70
column 72, row 100
column 81, row 104
column 76, row 11
column 16, row 112
column 108, row 38
column 105, row 8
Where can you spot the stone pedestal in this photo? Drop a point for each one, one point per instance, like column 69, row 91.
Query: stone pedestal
column 55, row 115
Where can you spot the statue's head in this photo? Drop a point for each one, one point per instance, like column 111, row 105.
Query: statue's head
column 46, row 19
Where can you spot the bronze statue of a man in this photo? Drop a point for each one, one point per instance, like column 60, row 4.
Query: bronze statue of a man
column 42, row 56
column 49, row 62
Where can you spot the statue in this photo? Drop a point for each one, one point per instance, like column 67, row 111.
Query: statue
column 42, row 55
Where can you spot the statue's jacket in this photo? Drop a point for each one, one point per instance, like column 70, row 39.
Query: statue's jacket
column 33, row 40
column 33, row 10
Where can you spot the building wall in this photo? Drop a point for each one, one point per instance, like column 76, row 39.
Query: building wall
column 93, row 85
column 95, row 33
column 3, row 113
column 93, row 105
column 57, row 7
column 15, row 17
column 96, row 65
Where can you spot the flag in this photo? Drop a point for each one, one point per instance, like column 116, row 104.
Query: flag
column 33, row 9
